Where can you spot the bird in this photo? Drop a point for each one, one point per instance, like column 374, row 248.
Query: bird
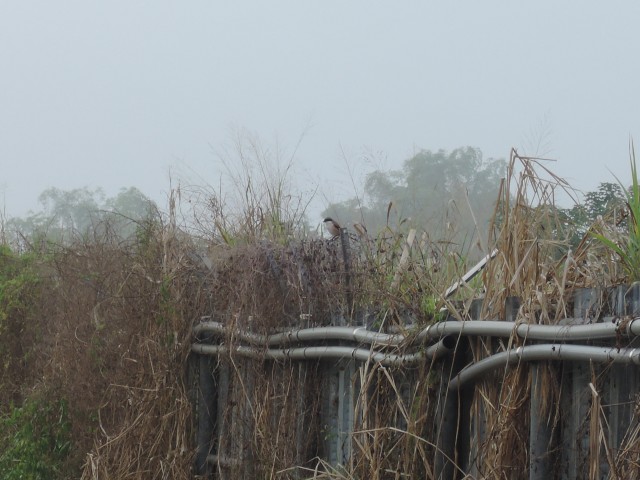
column 332, row 226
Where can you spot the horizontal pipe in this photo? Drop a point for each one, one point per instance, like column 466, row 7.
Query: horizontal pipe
column 610, row 327
column 443, row 347
column 356, row 334
column 530, row 353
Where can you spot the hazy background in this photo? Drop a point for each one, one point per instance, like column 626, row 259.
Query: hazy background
column 128, row 93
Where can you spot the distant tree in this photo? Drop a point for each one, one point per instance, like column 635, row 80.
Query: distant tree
column 608, row 199
column 71, row 210
column 127, row 211
column 131, row 203
column 67, row 214
column 449, row 194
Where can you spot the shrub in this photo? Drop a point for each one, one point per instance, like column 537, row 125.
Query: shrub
column 34, row 440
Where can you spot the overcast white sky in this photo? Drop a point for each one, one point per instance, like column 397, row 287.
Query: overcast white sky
column 119, row 93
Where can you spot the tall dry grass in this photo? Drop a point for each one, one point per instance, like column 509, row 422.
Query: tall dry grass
column 107, row 328
column 110, row 330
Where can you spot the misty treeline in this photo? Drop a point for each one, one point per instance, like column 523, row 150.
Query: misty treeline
column 66, row 215
column 451, row 195
column 78, row 323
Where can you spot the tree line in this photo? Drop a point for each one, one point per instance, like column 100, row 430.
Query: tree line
column 452, row 196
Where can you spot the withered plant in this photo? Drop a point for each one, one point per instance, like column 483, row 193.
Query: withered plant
column 527, row 234
column 110, row 332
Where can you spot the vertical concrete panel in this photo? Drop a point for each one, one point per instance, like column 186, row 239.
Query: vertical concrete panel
column 541, row 459
column 577, row 396
column 473, row 422
column 452, row 426
column 223, row 430
column 337, row 412
column 207, row 403
column 615, row 385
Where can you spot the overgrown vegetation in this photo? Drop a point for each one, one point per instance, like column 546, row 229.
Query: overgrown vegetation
column 626, row 245
column 96, row 377
column 451, row 195
column 103, row 321
column 35, row 439
column 20, row 284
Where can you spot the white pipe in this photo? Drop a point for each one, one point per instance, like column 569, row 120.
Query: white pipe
column 444, row 346
column 545, row 352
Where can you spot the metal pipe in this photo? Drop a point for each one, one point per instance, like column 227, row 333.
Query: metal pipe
column 610, row 327
column 545, row 352
column 356, row 334
column 444, row 346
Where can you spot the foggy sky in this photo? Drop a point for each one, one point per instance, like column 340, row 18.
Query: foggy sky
column 127, row 93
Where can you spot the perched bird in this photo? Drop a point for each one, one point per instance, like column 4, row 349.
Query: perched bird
column 332, row 226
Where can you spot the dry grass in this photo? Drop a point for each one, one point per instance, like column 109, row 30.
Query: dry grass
column 525, row 233
column 304, row 285
column 112, row 331
column 108, row 329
